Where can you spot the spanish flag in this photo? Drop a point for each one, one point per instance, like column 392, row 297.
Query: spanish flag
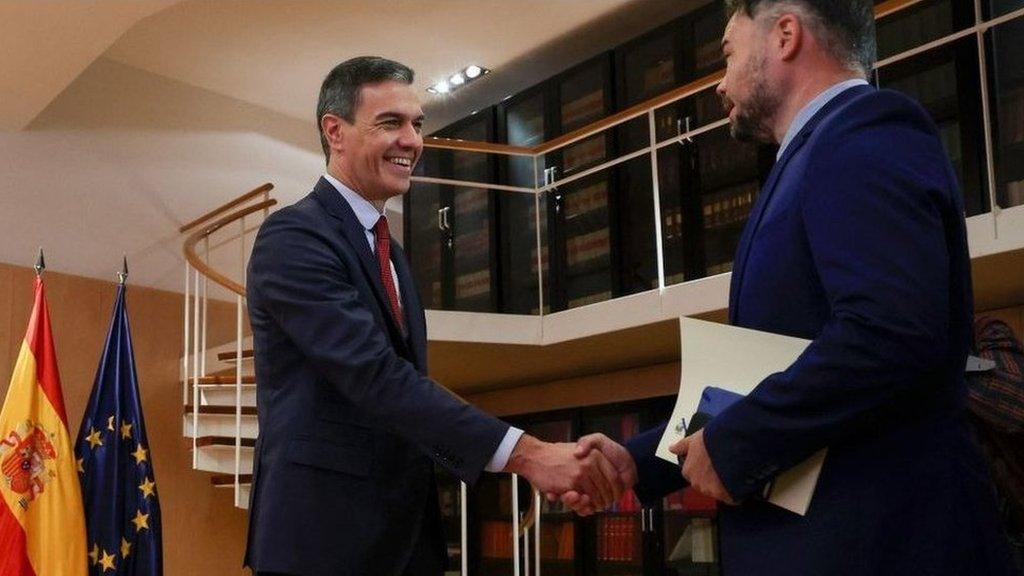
column 42, row 526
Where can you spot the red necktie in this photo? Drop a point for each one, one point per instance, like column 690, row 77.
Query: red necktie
column 380, row 232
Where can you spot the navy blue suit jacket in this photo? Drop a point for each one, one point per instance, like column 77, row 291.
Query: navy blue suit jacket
column 857, row 242
column 350, row 426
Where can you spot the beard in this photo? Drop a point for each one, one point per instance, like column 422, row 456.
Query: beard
column 753, row 119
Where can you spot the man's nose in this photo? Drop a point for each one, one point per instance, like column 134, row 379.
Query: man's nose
column 410, row 137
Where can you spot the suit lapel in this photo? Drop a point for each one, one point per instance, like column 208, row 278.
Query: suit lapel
column 355, row 235
column 411, row 307
column 763, row 199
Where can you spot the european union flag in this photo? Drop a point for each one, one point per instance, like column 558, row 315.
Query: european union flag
column 122, row 511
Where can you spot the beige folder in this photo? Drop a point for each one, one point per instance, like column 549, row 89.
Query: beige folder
column 738, row 359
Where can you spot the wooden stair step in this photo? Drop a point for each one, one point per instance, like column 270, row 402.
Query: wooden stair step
column 226, row 379
column 229, row 441
column 203, row 409
column 229, row 479
column 226, row 356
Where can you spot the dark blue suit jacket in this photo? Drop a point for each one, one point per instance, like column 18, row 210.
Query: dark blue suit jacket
column 857, row 242
column 350, row 426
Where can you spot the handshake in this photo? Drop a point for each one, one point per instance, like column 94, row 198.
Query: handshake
column 592, row 474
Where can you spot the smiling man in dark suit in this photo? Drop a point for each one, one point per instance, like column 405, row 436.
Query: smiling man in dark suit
column 857, row 242
column 350, row 426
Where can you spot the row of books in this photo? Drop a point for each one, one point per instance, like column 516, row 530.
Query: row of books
column 618, row 539
column 473, row 284
column 730, row 206
column 584, row 153
column 725, row 160
column 558, row 541
column 585, row 200
column 659, row 77
column 581, row 110
column 586, row 299
column 587, row 247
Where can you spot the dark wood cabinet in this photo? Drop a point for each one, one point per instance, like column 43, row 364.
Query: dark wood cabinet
column 452, row 234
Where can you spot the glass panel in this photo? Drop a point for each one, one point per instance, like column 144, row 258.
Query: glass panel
column 706, row 43
column 582, row 97
column 638, row 252
column 701, row 109
column 921, row 24
column 945, row 81
column 690, row 535
column 727, row 184
column 586, row 259
column 472, row 224
column 1007, row 62
column 616, row 544
column 673, row 166
column 649, row 68
column 525, row 127
column 519, row 260
column 423, row 242
column 1001, row 7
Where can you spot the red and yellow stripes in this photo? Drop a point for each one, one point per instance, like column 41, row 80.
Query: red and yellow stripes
column 42, row 525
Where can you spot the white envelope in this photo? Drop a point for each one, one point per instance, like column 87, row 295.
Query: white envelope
column 738, row 359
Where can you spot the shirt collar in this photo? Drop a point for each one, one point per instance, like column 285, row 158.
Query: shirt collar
column 812, row 108
column 366, row 213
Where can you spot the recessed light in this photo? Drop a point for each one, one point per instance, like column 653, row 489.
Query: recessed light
column 473, row 71
column 442, row 87
column 457, row 79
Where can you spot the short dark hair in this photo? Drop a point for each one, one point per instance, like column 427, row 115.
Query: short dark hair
column 845, row 27
column 340, row 91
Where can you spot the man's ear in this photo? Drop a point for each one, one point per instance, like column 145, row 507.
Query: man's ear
column 331, row 125
column 787, row 37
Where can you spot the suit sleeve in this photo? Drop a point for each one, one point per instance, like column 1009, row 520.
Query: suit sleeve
column 303, row 284
column 656, row 478
column 872, row 209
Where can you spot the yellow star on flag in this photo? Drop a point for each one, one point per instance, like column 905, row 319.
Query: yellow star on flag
column 140, row 454
column 94, row 554
column 147, row 487
column 94, row 438
column 81, row 464
column 107, row 561
column 110, row 423
column 141, row 521
column 126, row 548
column 126, row 430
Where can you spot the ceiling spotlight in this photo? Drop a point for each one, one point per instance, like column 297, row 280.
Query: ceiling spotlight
column 442, row 87
column 457, row 80
column 473, row 71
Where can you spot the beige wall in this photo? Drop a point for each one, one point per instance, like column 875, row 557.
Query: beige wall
column 203, row 533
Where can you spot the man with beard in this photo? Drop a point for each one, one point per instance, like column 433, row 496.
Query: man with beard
column 857, row 243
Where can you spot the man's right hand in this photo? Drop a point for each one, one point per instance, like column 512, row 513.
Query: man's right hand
column 556, row 469
column 620, row 458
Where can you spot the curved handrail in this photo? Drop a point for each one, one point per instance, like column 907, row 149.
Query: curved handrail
column 225, row 207
column 881, row 10
column 204, row 268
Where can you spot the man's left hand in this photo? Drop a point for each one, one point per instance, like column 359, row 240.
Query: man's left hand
column 697, row 468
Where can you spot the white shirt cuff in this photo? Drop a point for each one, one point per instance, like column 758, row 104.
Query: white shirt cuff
column 501, row 455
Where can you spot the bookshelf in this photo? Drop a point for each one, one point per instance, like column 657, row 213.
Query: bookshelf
column 1007, row 64
column 522, row 121
column 945, row 81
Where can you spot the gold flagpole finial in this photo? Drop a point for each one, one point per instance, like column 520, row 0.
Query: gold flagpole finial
column 40, row 263
column 122, row 276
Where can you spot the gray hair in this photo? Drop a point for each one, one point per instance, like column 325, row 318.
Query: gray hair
column 341, row 89
column 846, row 28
